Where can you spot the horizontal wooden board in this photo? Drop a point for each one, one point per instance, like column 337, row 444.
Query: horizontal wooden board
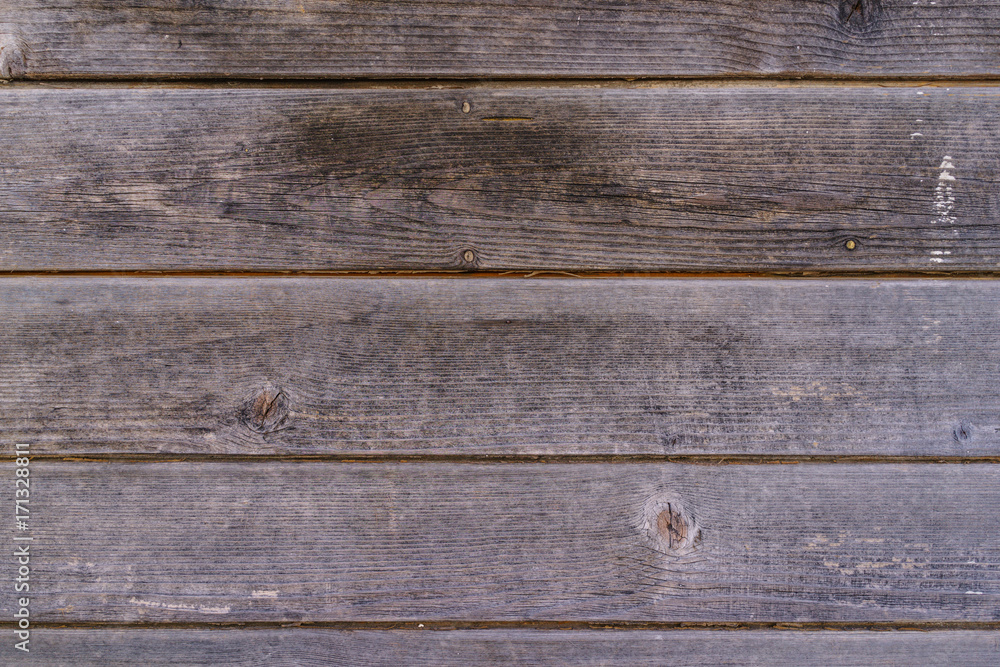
column 664, row 179
column 275, row 38
column 324, row 541
column 342, row 366
column 296, row 646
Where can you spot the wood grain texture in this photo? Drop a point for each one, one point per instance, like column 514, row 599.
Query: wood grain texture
column 341, row 366
column 56, row 647
column 667, row 179
column 321, row 541
column 275, row 38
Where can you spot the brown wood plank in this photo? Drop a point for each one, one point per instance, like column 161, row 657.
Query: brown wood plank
column 665, row 179
column 470, row 648
column 325, row 541
column 271, row 38
column 343, row 366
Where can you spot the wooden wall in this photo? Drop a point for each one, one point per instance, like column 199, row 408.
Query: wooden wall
column 457, row 333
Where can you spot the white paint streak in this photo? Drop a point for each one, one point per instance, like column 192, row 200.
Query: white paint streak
column 973, row 592
column 916, row 134
column 944, row 193
column 179, row 607
column 263, row 594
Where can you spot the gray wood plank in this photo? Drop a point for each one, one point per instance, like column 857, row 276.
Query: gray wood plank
column 57, row 647
column 345, row 366
column 665, row 179
column 324, row 541
column 271, row 38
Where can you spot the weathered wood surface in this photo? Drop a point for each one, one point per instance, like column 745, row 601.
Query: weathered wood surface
column 664, row 179
column 343, row 366
column 57, row 647
column 326, row 541
column 460, row 38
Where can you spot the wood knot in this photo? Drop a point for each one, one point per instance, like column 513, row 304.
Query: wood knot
column 962, row 432
column 861, row 15
column 671, row 528
column 13, row 58
column 469, row 259
column 266, row 411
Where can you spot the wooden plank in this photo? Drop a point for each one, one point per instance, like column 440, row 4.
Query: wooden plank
column 343, row 366
column 676, row 179
column 300, row 646
column 456, row 38
column 323, row 541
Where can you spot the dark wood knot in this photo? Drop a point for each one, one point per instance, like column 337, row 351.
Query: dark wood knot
column 266, row 411
column 861, row 15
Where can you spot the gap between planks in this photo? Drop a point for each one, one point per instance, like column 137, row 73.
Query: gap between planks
column 501, row 459
column 606, row 626
column 854, row 274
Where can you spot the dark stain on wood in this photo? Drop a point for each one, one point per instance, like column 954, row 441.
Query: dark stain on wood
column 600, row 180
